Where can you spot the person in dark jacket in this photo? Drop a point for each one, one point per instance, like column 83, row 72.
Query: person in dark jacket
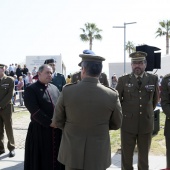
column 25, row 70
column 19, row 71
column 57, row 78
column 42, row 141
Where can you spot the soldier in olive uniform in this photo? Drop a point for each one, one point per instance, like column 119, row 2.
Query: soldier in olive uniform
column 86, row 111
column 76, row 77
column 165, row 103
column 58, row 79
column 6, row 108
column 138, row 93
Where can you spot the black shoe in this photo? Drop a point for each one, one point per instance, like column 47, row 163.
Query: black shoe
column 1, row 152
column 12, row 153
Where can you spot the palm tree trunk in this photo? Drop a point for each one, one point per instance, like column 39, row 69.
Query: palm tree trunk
column 90, row 43
column 167, row 44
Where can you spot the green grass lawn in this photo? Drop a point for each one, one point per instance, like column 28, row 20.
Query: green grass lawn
column 158, row 141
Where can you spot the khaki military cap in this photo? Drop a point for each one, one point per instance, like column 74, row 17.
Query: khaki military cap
column 138, row 56
column 2, row 65
column 88, row 55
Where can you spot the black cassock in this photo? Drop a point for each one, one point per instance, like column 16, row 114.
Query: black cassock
column 42, row 141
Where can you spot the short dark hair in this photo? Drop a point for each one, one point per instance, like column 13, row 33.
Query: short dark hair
column 93, row 68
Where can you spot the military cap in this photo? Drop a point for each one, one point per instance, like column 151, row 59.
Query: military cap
column 49, row 61
column 138, row 56
column 89, row 55
column 2, row 65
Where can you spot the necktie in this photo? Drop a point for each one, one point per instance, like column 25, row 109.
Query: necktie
column 139, row 81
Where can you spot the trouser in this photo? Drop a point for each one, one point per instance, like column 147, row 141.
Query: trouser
column 20, row 98
column 6, row 122
column 128, row 142
column 167, row 152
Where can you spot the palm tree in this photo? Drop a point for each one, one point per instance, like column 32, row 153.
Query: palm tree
column 90, row 32
column 164, row 30
column 130, row 47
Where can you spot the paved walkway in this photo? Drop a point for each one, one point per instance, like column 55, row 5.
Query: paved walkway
column 16, row 163
column 20, row 130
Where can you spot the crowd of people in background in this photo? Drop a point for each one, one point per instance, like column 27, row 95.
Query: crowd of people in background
column 24, row 77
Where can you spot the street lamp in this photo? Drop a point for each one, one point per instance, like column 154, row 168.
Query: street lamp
column 124, row 40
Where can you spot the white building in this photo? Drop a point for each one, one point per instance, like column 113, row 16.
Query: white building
column 32, row 61
column 118, row 68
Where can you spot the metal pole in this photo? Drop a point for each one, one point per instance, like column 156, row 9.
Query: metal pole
column 124, row 41
column 124, row 48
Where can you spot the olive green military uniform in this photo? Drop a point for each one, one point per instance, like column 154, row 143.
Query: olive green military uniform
column 6, row 93
column 165, row 103
column 76, row 77
column 138, row 104
column 86, row 121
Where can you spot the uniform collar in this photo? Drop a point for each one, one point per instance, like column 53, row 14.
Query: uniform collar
column 141, row 76
column 90, row 79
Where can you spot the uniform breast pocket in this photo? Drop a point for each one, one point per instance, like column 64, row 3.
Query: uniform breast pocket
column 4, row 88
column 150, row 90
column 128, row 92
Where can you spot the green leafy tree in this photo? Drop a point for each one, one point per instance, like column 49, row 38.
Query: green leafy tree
column 130, row 47
column 164, row 30
column 90, row 32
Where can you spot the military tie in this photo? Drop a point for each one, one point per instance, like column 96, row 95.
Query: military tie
column 139, row 81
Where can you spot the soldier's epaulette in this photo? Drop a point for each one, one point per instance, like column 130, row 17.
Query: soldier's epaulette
column 9, row 77
column 125, row 75
column 167, row 75
column 69, row 84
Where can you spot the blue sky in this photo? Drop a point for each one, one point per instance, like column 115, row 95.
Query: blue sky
column 52, row 27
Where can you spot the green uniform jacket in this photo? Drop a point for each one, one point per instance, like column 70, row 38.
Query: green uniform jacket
column 6, row 91
column 138, row 104
column 165, row 103
column 86, row 111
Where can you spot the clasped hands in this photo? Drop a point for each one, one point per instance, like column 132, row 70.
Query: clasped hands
column 53, row 125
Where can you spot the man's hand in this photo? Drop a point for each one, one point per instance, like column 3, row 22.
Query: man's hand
column 53, row 125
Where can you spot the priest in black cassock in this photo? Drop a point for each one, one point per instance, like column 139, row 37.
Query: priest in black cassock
column 42, row 141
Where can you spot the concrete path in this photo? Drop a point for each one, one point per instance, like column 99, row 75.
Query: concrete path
column 16, row 163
